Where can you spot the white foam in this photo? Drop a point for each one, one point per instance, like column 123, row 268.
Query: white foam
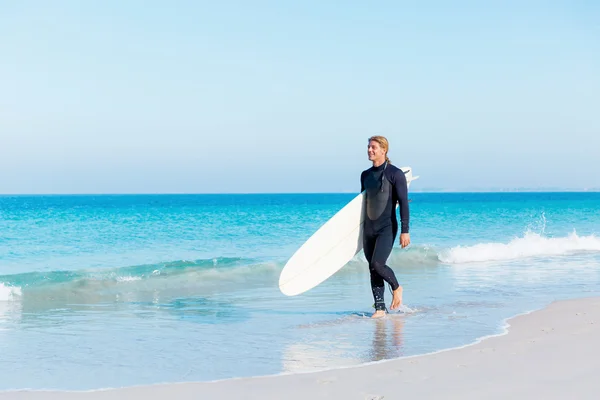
column 9, row 293
column 530, row 245
column 128, row 278
column 404, row 309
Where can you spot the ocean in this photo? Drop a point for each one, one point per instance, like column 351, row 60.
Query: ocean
column 119, row 290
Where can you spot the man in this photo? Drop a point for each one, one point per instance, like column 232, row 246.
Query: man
column 385, row 184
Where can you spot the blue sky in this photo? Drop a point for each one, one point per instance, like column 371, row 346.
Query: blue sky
column 276, row 96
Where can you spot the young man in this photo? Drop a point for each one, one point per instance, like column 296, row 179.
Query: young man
column 385, row 185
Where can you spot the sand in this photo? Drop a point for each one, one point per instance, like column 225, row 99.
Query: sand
column 553, row 353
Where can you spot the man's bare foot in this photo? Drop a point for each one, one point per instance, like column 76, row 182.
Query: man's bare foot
column 378, row 314
column 397, row 298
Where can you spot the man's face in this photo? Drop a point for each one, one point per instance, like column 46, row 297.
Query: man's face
column 375, row 151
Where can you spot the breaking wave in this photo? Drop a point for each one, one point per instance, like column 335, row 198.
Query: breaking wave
column 528, row 246
column 9, row 293
column 176, row 277
column 531, row 245
column 223, row 273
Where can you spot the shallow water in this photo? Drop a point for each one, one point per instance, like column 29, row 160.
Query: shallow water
column 107, row 291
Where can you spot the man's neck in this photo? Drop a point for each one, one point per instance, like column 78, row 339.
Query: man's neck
column 377, row 163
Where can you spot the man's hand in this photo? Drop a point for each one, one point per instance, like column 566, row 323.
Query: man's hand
column 404, row 239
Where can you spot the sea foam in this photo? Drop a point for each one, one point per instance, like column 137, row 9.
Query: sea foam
column 9, row 293
column 530, row 245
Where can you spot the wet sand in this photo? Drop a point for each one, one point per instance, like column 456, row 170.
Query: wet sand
column 553, row 353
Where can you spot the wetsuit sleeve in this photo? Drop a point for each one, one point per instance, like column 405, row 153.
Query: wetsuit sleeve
column 401, row 188
column 362, row 181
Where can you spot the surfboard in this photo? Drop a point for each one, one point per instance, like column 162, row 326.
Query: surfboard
column 329, row 249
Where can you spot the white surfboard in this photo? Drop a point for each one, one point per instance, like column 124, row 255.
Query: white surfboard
column 329, row 248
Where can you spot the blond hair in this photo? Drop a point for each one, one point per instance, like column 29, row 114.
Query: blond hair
column 383, row 143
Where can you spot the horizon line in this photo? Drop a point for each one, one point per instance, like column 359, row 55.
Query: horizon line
column 442, row 191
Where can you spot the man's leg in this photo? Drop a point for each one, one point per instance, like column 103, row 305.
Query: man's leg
column 378, row 289
column 377, row 282
column 381, row 252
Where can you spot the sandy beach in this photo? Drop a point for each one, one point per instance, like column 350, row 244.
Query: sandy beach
column 553, row 353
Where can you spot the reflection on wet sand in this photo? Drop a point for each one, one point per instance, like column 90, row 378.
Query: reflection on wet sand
column 332, row 349
column 387, row 338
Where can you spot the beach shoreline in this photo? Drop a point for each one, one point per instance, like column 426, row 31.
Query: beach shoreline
column 547, row 353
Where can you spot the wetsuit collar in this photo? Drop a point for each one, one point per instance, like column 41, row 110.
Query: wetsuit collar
column 381, row 167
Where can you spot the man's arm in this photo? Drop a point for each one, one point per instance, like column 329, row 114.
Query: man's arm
column 401, row 188
column 362, row 181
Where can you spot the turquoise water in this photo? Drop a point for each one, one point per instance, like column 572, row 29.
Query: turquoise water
column 108, row 291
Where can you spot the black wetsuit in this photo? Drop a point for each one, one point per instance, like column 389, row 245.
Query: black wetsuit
column 384, row 185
